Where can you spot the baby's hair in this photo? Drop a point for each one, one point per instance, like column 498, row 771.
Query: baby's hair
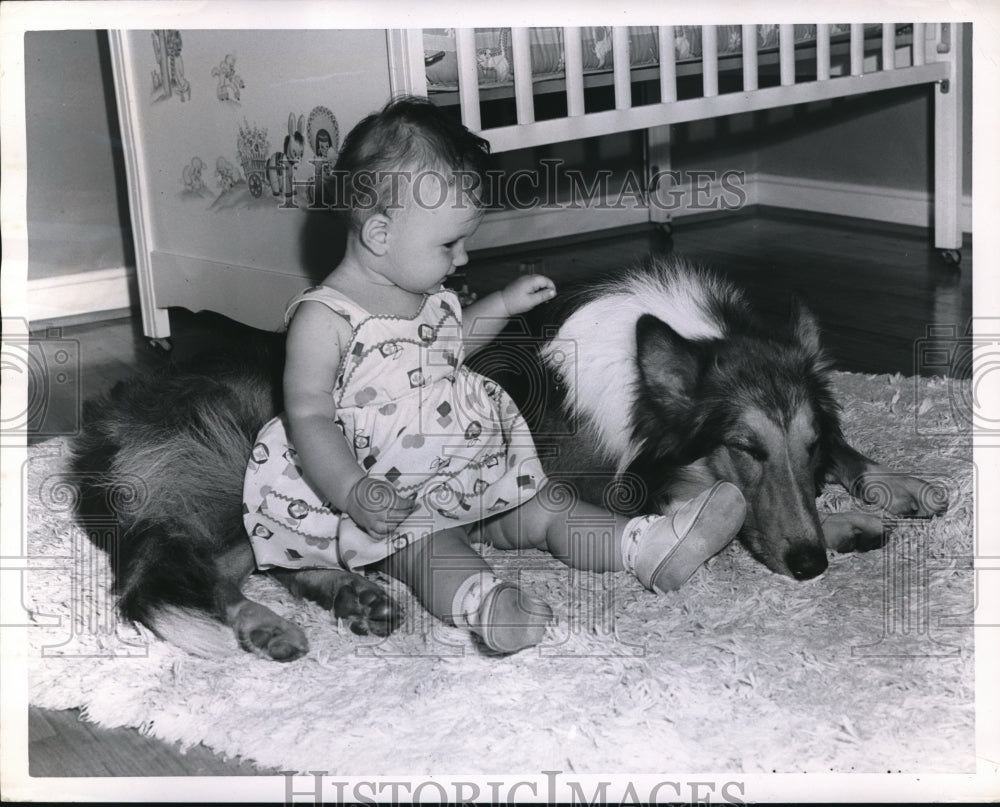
column 410, row 134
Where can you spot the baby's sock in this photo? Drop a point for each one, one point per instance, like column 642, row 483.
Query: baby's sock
column 505, row 618
column 664, row 551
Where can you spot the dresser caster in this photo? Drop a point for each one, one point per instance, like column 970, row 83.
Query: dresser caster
column 951, row 257
column 161, row 345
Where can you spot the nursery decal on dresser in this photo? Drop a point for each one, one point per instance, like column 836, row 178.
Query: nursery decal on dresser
column 230, row 82
column 168, row 72
column 239, row 131
column 262, row 177
column 323, row 135
column 282, row 166
column 194, row 185
column 252, row 148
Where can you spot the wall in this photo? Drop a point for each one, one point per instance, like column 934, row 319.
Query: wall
column 77, row 209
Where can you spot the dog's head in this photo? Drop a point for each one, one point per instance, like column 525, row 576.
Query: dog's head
column 753, row 408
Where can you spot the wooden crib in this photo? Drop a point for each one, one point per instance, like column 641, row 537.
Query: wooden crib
column 803, row 62
column 660, row 76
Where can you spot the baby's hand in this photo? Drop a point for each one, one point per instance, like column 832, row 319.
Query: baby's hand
column 376, row 507
column 526, row 292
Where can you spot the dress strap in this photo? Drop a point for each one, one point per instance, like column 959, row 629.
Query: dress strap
column 332, row 299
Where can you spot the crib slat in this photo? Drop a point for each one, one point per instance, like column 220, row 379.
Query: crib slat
column 407, row 71
column 889, row 46
column 709, row 61
column 786, row 53
column 668, row 65
column 857, row 49
column 573, row 57
column 750, row 80
column 822, row 52
column 919, row 43
column 623, row 67
column 468, row 77
column 524, row 98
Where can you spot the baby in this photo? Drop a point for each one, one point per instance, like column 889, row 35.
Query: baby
column 391, row 450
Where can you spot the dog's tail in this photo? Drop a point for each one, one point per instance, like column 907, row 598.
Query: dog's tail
column 193, row 631
column 160, row 464
column 169, row 583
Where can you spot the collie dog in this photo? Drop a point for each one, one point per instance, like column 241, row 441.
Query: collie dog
column 669, row 379
column 666, row 381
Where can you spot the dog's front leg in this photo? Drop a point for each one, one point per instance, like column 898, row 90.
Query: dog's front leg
column 882, row 487
column 258, row 629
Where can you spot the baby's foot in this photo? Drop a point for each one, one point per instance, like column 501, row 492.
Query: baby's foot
column 664, row 551
column 503, row 616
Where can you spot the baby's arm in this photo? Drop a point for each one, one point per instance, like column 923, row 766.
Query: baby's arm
column 316, row 340
column 486, row 317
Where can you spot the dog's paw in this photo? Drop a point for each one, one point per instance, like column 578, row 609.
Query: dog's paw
column 902, row 495
column 261, row 631
column 366, row 608
column 363, row 605
column 853, row 532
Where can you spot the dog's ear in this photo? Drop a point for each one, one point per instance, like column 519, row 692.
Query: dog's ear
column 805, row 327
column 668, row 363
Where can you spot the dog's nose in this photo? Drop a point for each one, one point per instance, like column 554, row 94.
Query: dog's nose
column 806, row 562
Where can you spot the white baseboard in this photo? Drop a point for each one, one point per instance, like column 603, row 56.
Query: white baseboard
column 512, row 227
column 82, row 293
column 873, row 202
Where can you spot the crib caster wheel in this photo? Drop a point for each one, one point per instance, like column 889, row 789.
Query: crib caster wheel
column 951, row 257
column 161, row 345
column 664, row 236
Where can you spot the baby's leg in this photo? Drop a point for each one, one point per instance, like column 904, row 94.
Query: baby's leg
column 457, row 585
column 580, row 534
column 661, row 551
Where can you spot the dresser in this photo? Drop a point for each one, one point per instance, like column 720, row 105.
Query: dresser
column 224, row 134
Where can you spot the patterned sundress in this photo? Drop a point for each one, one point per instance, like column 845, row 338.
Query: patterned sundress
column 415, row 417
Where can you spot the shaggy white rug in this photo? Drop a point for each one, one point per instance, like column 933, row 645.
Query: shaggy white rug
column 868, row 668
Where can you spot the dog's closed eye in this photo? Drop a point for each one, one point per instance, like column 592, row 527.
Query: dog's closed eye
column 752, row 450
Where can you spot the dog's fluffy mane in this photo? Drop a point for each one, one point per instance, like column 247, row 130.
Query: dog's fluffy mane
column 597, row 342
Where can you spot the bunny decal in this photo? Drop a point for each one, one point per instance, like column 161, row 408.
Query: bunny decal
column 281, row 165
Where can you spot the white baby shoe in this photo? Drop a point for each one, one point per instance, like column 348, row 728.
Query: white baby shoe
column 664, row 551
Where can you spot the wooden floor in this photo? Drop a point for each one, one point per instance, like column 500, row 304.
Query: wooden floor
column 875, row 288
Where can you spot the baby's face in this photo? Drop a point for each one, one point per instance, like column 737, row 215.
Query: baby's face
column 428, row 238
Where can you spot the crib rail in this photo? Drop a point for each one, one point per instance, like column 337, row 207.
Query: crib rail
column 927, row 64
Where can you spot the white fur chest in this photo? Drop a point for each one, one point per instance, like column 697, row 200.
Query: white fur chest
column 594, row 351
